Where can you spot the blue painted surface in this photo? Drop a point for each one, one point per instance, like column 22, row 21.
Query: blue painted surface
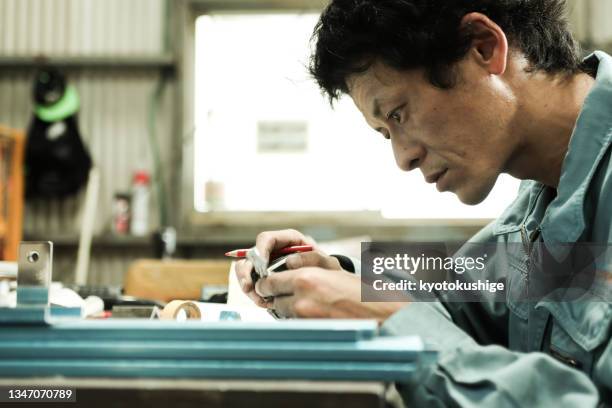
column 25, row 315
column 209, row 369
column 399, row 349
column 32, row 295
column 291, row 349
column 133, row 329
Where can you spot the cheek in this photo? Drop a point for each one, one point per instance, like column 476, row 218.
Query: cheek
column 445, row 137
column 436, row 126
column 461, row 133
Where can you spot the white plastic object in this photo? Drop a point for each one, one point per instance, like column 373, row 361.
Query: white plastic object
column 139, row 225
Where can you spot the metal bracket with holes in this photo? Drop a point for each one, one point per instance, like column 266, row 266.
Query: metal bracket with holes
column 34, row 273
column 33, row 283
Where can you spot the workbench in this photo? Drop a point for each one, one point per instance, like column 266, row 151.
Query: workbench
column 176, row 393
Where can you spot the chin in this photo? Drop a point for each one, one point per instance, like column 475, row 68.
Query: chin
column 472, row 196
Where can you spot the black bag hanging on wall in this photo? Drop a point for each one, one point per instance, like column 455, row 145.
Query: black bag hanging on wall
column 57, row 162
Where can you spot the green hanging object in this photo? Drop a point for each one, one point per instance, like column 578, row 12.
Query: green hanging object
column 66, row 106
column 57, row 160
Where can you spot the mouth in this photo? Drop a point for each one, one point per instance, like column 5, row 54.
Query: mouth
column 434, row 177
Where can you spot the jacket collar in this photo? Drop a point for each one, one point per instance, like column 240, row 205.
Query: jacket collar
column 564, row 220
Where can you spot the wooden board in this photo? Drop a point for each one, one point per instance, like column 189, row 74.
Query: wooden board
column 174, row 279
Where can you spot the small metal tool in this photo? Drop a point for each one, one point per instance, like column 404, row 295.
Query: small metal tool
column 260, row 265
column 34, row 273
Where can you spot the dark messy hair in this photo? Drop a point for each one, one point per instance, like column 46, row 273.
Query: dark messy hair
column 405, row 34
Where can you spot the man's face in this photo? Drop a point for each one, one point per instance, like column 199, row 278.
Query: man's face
column 460, row 138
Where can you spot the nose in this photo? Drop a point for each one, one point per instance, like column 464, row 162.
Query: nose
column 408, row 156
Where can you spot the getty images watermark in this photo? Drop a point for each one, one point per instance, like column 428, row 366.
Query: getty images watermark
column 394, row 271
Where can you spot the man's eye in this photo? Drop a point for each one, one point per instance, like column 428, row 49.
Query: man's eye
column 395, row 115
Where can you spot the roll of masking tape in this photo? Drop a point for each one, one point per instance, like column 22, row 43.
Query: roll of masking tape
column 181, row 310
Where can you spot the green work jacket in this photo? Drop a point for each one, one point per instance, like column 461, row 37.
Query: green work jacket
column 530, row 354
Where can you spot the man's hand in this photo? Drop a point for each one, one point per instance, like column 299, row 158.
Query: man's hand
column 321, row 293
column 269, row 241
column 313, row 286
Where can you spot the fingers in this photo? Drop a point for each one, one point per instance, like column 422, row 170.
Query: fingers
column 311, row 292
column 268, row 241
column 243, row 274
column 277, row 284
column 283, row 306
column 294, row 306
column 312, row 258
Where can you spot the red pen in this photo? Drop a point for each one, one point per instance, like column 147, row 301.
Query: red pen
column 241, row 253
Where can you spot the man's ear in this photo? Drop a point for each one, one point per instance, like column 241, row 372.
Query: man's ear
column 489, row 43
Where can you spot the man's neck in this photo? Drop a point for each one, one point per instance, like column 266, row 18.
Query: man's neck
column 548, row 110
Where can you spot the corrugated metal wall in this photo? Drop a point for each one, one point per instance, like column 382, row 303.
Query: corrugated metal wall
column 114, row 101
column 81, row 27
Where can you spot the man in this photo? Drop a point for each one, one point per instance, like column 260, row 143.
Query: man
column 465, row 90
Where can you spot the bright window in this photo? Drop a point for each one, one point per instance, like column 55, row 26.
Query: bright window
column 267, row 140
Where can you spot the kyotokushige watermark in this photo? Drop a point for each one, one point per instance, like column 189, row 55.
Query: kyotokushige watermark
column 476, row 272
column 430, row 287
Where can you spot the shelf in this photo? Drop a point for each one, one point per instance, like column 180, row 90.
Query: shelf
column 128, row 241
column 102, row 240
column 164, row 61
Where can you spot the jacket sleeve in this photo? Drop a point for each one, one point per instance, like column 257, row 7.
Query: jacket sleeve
column 603, row 374
column 467, row 374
